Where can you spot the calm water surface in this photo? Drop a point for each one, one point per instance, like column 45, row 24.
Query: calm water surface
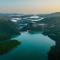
column 34, row 46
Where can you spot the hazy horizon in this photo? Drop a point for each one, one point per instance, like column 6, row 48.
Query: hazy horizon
column 29, row 6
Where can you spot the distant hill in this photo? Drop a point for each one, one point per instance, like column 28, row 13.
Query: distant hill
column 52, row 21
column 56, row 14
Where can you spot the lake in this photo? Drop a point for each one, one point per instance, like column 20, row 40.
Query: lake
column 34, row 46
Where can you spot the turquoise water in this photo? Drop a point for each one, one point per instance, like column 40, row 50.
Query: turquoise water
column 34, row 46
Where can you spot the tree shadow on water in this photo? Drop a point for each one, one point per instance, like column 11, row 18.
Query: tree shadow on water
column 7, row 45
column 54, row 53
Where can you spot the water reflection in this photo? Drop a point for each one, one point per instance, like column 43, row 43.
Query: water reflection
column 7, row 45
column 34, row 32
column 35, row 46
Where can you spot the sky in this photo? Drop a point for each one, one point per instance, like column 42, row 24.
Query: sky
column 29, row 6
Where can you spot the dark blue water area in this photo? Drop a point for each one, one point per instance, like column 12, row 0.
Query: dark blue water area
column 33, row 47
